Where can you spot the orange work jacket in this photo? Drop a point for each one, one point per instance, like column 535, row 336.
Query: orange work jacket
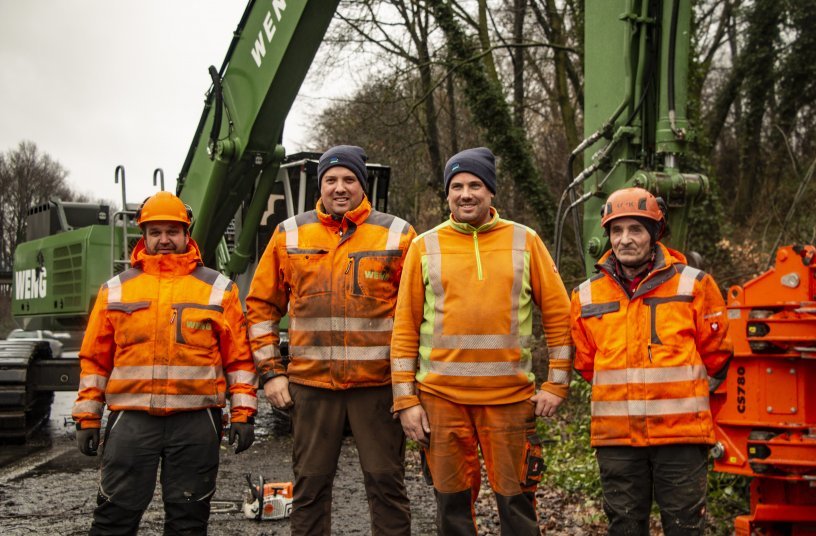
column 649, row 356
column 165, row 336
column 464, row 323
column 338, row 281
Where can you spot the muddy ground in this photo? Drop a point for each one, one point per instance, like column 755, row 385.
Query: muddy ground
column 48, row 487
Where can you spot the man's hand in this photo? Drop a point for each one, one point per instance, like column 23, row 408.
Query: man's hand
column 277, row 392
column 415, row 424
column 245, row 432
column 88, row 441
column 546, row 403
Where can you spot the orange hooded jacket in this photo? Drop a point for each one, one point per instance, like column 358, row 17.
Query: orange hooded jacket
column 165, row 336
column 338, row 281
column 649, row 357
column 464, row 322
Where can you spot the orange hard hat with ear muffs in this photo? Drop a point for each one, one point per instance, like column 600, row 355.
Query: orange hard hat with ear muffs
column 164, row 206
column 635, row 203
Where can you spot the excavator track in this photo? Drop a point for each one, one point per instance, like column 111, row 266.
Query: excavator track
column 29, row 375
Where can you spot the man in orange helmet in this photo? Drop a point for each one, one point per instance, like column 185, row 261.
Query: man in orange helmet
column 336, row 271
column 651, row 335
column 165, row 345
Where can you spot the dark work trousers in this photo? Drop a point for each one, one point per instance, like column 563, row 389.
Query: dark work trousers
column 318, row 419
column 185, row 443
column 675, row 475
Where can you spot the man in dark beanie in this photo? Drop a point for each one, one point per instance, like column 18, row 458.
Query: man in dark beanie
column 461, row 360
column 335, row 270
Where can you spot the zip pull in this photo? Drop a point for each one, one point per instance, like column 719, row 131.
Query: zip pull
column 173, row 317
column 649, row 348
column 348, row 266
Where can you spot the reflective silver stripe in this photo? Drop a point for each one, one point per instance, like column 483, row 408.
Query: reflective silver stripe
column 490, row 368
column 403, row 364
column 649, row 375
column 341, row 323
column 519, row 243
column 557, row 353
column 93, row 380
column 585, row 292
column 263, row 328
column 218, row 288
column 403, row 389
column 243, row 400
column 394, row 233
column 265, row 352
column 349, row 353
column 687, row 277
column 242, row 376
column 434, row 260
column 114, row 290
column 484, row 341
column 559, row 376
column 290, row 226
column 164, row 372
column 672, row 406
column 143, row 400
column 88, row 406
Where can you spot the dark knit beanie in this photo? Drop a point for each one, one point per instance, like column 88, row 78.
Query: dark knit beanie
column 479, row 161
column 348, row 156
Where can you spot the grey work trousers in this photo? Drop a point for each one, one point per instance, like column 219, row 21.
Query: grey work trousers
column 186, row 444
column 318, row 421
column 675, row 475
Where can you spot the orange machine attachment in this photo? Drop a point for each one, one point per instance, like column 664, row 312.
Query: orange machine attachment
column 765, row 412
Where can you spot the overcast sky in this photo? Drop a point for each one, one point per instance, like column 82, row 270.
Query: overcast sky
column 97, row 83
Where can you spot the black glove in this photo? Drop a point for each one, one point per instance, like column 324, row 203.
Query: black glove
column 245, row 432
column 87, row 440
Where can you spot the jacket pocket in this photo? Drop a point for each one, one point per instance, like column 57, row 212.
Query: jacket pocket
column 197, row 325
column 311, row 271
column 376, row 273
column 133, row 322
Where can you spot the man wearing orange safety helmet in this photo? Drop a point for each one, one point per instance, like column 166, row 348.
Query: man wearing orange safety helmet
column 461, row 359
column 164, row 348
column 336, row 271
column 651, row 335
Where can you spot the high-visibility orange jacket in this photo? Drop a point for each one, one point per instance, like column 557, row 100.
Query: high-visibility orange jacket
column 649, row 356
column 338, row 281
column 464, row 321
column 165, row 336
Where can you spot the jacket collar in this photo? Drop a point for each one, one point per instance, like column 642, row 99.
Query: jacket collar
column 469, row 229
column 664, row 268
column 168, row 264
column 353, row 217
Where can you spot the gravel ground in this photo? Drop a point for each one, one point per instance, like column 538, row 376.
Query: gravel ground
column 57, row 497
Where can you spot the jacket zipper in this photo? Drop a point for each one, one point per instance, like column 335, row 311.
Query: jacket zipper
column 478, row 258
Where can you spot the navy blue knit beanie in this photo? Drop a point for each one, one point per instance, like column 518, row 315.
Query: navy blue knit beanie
column 479, row 161
column 348, row 156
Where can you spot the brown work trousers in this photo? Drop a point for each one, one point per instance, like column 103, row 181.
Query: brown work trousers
column 318, row 420
column 501, row 432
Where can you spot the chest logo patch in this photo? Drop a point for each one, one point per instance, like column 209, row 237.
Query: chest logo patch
column 192, row 324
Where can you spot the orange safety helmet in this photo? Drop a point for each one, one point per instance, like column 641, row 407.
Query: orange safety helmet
column 164, row 206
column 633, row 202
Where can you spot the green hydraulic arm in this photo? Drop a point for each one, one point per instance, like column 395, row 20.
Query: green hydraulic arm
column 635, row 123
column 235, row 154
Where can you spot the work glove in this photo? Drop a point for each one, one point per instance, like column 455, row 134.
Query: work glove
column 245, row 432
column 87, row 440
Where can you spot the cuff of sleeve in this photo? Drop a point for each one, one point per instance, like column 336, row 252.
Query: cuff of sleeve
column 405, row 402
column 266, row 376
column 557, row 389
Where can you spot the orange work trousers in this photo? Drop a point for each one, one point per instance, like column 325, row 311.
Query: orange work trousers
column 502, row 433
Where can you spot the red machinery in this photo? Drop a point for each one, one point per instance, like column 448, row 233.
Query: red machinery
column 765, row 412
